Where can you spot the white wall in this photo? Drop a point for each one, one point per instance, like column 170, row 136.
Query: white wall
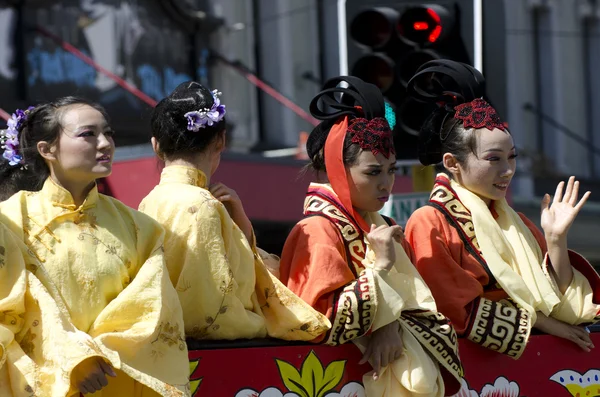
column 562, row 86
column 235, row 41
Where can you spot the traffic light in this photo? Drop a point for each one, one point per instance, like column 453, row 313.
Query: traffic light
column 390, row 40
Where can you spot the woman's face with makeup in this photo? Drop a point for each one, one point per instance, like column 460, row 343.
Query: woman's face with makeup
column 370, row 180
column 85, row 148
column 489, row 171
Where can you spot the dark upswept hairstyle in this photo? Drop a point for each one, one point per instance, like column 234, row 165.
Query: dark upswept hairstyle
column 356, row 99
column 43, row 123
column 447, row 84
column 169, row 124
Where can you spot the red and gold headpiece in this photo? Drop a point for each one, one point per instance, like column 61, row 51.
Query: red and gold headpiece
column 478, row 114
column 373, row 135
column 457, row 89
column 357, row 108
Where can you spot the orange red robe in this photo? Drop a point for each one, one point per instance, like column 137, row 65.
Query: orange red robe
column 315, row 265
column 447, row 256
column 325, row 262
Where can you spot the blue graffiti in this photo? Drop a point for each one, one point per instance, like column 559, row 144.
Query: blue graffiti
column 59, row 67
column 156, row 85
column 202, row 71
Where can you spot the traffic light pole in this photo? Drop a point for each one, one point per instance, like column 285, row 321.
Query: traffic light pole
column 342, row 37
column 478, row 35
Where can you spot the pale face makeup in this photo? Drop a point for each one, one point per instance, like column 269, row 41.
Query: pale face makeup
column 489, row 171
column 85, row 148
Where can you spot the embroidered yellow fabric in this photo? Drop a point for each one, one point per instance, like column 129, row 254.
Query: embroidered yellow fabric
column 516, row 261
column 224, row 287
column 105, row 264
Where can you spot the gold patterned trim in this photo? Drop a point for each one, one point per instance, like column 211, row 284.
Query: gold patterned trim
column 355, row 306
column 321, row 205
column 435, row 332
column 444, row 199
column 354, row 310
column 500, row 326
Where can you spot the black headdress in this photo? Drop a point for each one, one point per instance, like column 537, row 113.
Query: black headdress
column 357, row 100
column 459, row 90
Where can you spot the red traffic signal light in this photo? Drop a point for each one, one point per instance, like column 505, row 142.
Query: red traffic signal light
column 391, row 40
column 400, row 41
column 425, row 24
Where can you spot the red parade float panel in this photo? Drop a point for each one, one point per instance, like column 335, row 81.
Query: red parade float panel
column 549, row 367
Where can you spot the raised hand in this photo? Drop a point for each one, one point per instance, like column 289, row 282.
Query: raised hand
column 228, row 197
column 234, row 207
column 557, row 218
column 385, row 346
column 381, row 239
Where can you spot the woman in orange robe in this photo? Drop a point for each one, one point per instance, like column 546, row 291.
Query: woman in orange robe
column 351, row 264
column 492, row 272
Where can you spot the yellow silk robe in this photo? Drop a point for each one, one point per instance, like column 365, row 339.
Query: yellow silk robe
column 28, row 310
column 106, row 262
column 225, row 289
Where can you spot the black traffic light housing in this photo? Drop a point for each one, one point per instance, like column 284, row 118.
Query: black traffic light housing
column 389, row 40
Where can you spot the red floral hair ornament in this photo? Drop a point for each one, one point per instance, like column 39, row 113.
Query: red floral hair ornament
column 479, row 114
column 373, row 135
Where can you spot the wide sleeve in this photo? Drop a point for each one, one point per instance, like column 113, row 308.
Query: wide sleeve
column 439, row 257
column 580, row 303
column 141, row 330
column 314, row 266
column 286, row 315
column 216, row 282
column 39, row 346
column 13, row 285
column 12, row 290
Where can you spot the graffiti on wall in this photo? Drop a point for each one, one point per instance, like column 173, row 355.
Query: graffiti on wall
column 133, row 40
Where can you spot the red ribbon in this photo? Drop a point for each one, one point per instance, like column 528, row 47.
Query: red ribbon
column 336, row 170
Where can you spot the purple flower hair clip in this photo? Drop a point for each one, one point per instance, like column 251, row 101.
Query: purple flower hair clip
column 206, row 117
column 9, row 138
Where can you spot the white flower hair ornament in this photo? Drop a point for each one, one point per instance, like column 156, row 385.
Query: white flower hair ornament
column 206, row 117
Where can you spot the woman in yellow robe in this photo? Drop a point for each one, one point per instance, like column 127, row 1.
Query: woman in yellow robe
column 225, row 289
column 351, row 264
column 26, row 308
column 39, row 347
column 104, row 260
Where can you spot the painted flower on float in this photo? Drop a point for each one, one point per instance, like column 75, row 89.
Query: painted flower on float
column 502, row 387
column 311, row 380
column 351, row 389
column 578, row 385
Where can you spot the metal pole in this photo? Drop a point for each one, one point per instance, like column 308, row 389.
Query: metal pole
column 537, row 71
column 478, row 35
column 587, row 76
column 342, row 39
